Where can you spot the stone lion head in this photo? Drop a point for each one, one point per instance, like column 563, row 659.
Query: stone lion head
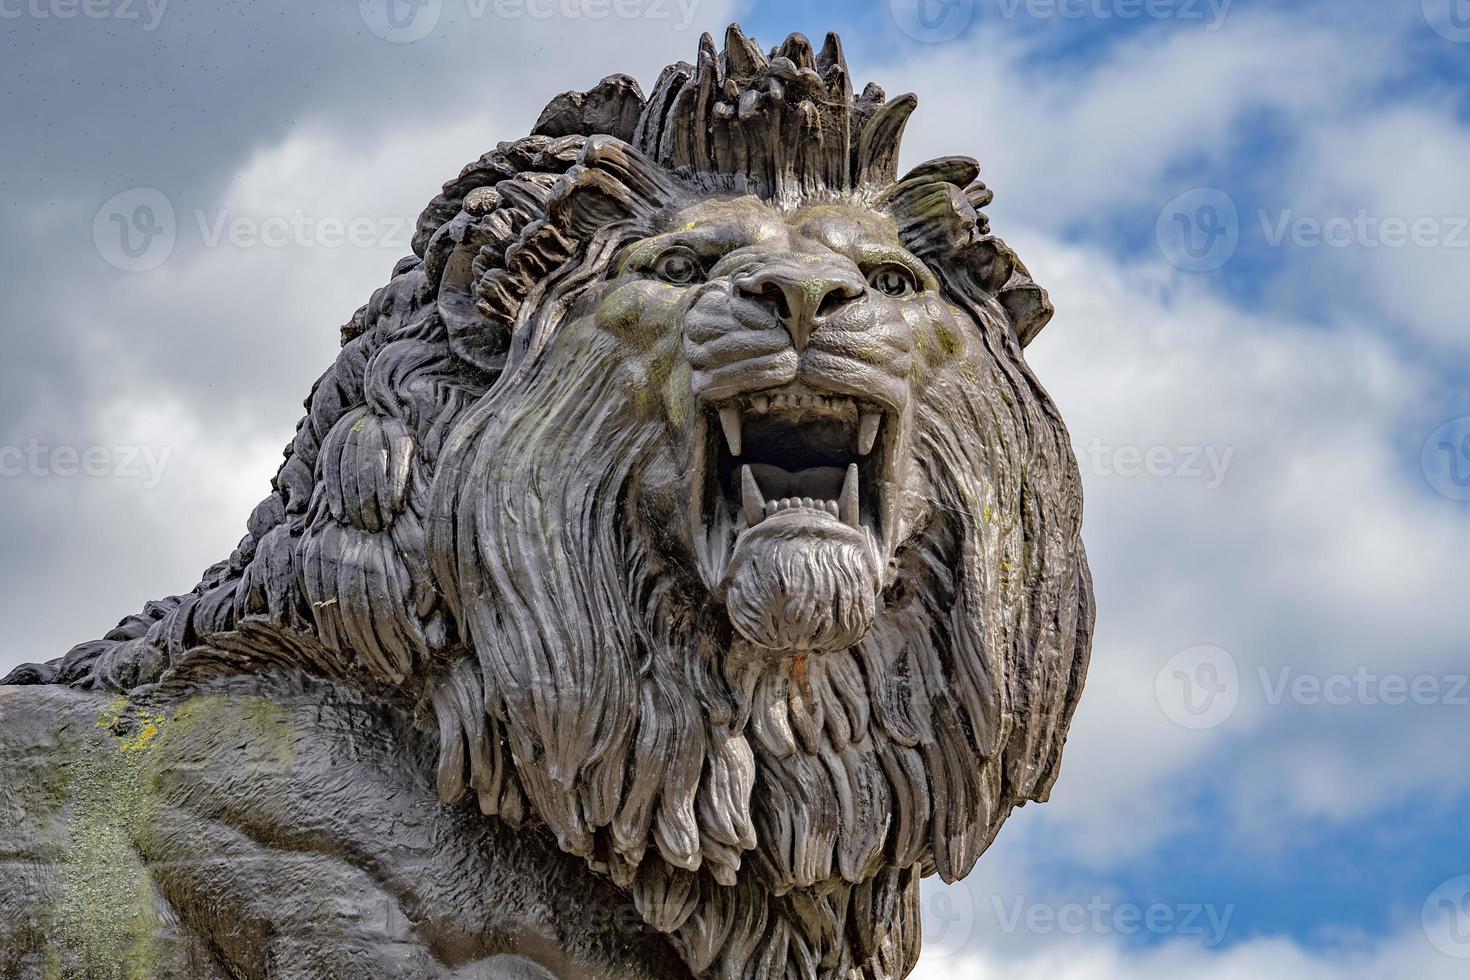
column 692, row 471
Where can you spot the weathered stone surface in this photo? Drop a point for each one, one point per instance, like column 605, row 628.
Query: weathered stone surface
column 678, row 563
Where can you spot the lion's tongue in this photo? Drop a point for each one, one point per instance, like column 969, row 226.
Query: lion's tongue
column 766, row 490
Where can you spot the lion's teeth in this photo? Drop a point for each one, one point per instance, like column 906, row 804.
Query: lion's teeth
column 730, row 422
column 750, row 498
column 760, row 403
column 868, row 431
column 847, row 502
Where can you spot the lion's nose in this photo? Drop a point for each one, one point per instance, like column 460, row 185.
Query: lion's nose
column 802, row 296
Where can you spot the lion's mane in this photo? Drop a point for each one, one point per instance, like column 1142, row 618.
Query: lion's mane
column 457, row 465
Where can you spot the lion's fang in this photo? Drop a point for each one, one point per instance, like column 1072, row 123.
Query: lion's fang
column 847, row 502
column 750, row 498
column 868, row 431
column 730, row 422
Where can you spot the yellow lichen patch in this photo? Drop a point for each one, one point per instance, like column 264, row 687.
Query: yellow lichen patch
column 148, row 730
column 105, row 916
column 620, row 313
column 108, row 717
column 951, row 337
column 676, row 392
column 105, row 920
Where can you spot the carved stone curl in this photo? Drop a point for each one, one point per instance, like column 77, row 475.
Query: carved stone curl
column 678, row 563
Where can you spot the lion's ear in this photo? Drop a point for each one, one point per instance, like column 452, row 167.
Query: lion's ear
column 1025, row 302
column 937, row 206
column 1029, row 307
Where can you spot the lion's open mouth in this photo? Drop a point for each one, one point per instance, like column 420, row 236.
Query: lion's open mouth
column 815, row 462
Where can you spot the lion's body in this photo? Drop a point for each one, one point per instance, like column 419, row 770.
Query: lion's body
column 680, row 539
column 257, row 831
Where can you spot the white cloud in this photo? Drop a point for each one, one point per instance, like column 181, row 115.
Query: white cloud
column 170, row 499
column 1406, row 955
column 1007, row 921
column 1322, row 550
column 1402, row 165
column 1067, row 145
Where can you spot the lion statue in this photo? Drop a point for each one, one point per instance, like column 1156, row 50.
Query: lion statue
column 678, row 564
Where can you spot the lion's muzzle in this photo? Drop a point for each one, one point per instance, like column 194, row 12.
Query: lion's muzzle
column 794, row 499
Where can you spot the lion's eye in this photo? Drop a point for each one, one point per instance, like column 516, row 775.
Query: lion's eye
column 679, row 266
column 893, row 280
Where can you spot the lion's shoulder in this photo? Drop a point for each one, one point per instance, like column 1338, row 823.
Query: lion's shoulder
column 46, row 733
column 304, row 814
column 74, row 895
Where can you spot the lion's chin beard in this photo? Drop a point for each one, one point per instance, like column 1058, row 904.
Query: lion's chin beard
column 802, row 581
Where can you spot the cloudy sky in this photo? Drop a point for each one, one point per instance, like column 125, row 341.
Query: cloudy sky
column 1252, row 218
